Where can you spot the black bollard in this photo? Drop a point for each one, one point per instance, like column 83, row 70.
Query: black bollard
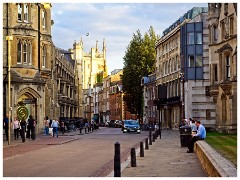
column 80, row 129
column 150, row 137
column 117, row 160
column 153, row 140
column 146, row 143
column 133, row 158
column 141, row 150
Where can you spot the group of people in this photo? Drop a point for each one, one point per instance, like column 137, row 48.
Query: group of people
column 198, row 132
column 48, row 123
column 20, row 127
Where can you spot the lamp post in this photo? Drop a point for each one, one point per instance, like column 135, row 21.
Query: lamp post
column 9, row 39
column 183, row 105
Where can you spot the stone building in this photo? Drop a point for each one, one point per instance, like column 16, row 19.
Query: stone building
column 90, row 64
column 223, row 63
column 29, row 59
column 64, row 84
column 182, row 71
column 149, row 95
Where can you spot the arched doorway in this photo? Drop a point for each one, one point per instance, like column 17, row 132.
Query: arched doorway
column 28, row 102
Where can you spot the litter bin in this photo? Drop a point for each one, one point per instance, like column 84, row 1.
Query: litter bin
column 185, row 135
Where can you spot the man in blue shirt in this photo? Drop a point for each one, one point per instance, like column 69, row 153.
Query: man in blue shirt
column 201, row 135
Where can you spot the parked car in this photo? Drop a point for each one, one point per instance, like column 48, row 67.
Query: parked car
column 131, row 126
column 111, row 123
column 118, row 123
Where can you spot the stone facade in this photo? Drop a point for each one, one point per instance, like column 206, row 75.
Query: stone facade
column 30, row 26
column 168, row 74
column 185, row 84
column 149, row 95
column 89, row 66
column 223, row 63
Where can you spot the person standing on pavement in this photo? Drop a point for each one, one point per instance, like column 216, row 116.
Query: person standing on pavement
column 201, row 135
column 16, row 127
column 46, row 128
column 55, row 124
column 23, row 128
column 31, row 128
column 5, row 125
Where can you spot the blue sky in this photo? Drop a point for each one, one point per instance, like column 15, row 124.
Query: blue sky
column 116, row 22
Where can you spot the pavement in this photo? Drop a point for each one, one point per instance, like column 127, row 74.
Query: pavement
column 164, row 158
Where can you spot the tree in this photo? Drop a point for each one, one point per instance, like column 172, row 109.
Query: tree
column 138, row 62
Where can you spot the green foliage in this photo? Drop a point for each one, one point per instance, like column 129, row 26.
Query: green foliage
column 139, row 61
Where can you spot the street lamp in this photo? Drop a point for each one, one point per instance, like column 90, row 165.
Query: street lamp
column 9, row 39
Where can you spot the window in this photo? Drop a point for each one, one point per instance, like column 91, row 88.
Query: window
column 227, row 67
column 23, row 12
column 215, row 73
column 222, row 29
column 190, row 61
column 24, row 52
column 44, row 56
column 231, row 26
column 215, row 34
column 198, row 38
column 30, row 54
column 199, row 61
column 43, row 19
column 190, row 38
column 19, row 12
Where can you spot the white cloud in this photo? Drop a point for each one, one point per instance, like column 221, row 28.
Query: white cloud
column 116, row 22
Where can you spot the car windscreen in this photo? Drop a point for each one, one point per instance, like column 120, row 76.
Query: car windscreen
column 131, row 122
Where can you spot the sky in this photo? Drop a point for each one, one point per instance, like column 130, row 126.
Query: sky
column 114, row 22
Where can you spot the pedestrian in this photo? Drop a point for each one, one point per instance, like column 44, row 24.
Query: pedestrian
column 182, row 123
column 55, row 124
column 16, row 127
column 46, row 128
column 23, row 128
column 156, row 127
column 193, row 126
column 201, row 135
column 5, row 125
column 62, row 127
column 31, row 128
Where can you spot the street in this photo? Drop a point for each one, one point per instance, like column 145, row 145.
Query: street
column 90, row 155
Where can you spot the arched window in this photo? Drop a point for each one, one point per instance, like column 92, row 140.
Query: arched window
column 19, row 53
column 166, row 68
column 30, row 53
column 170, row 66
column 25, row 50
column 176, row 65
